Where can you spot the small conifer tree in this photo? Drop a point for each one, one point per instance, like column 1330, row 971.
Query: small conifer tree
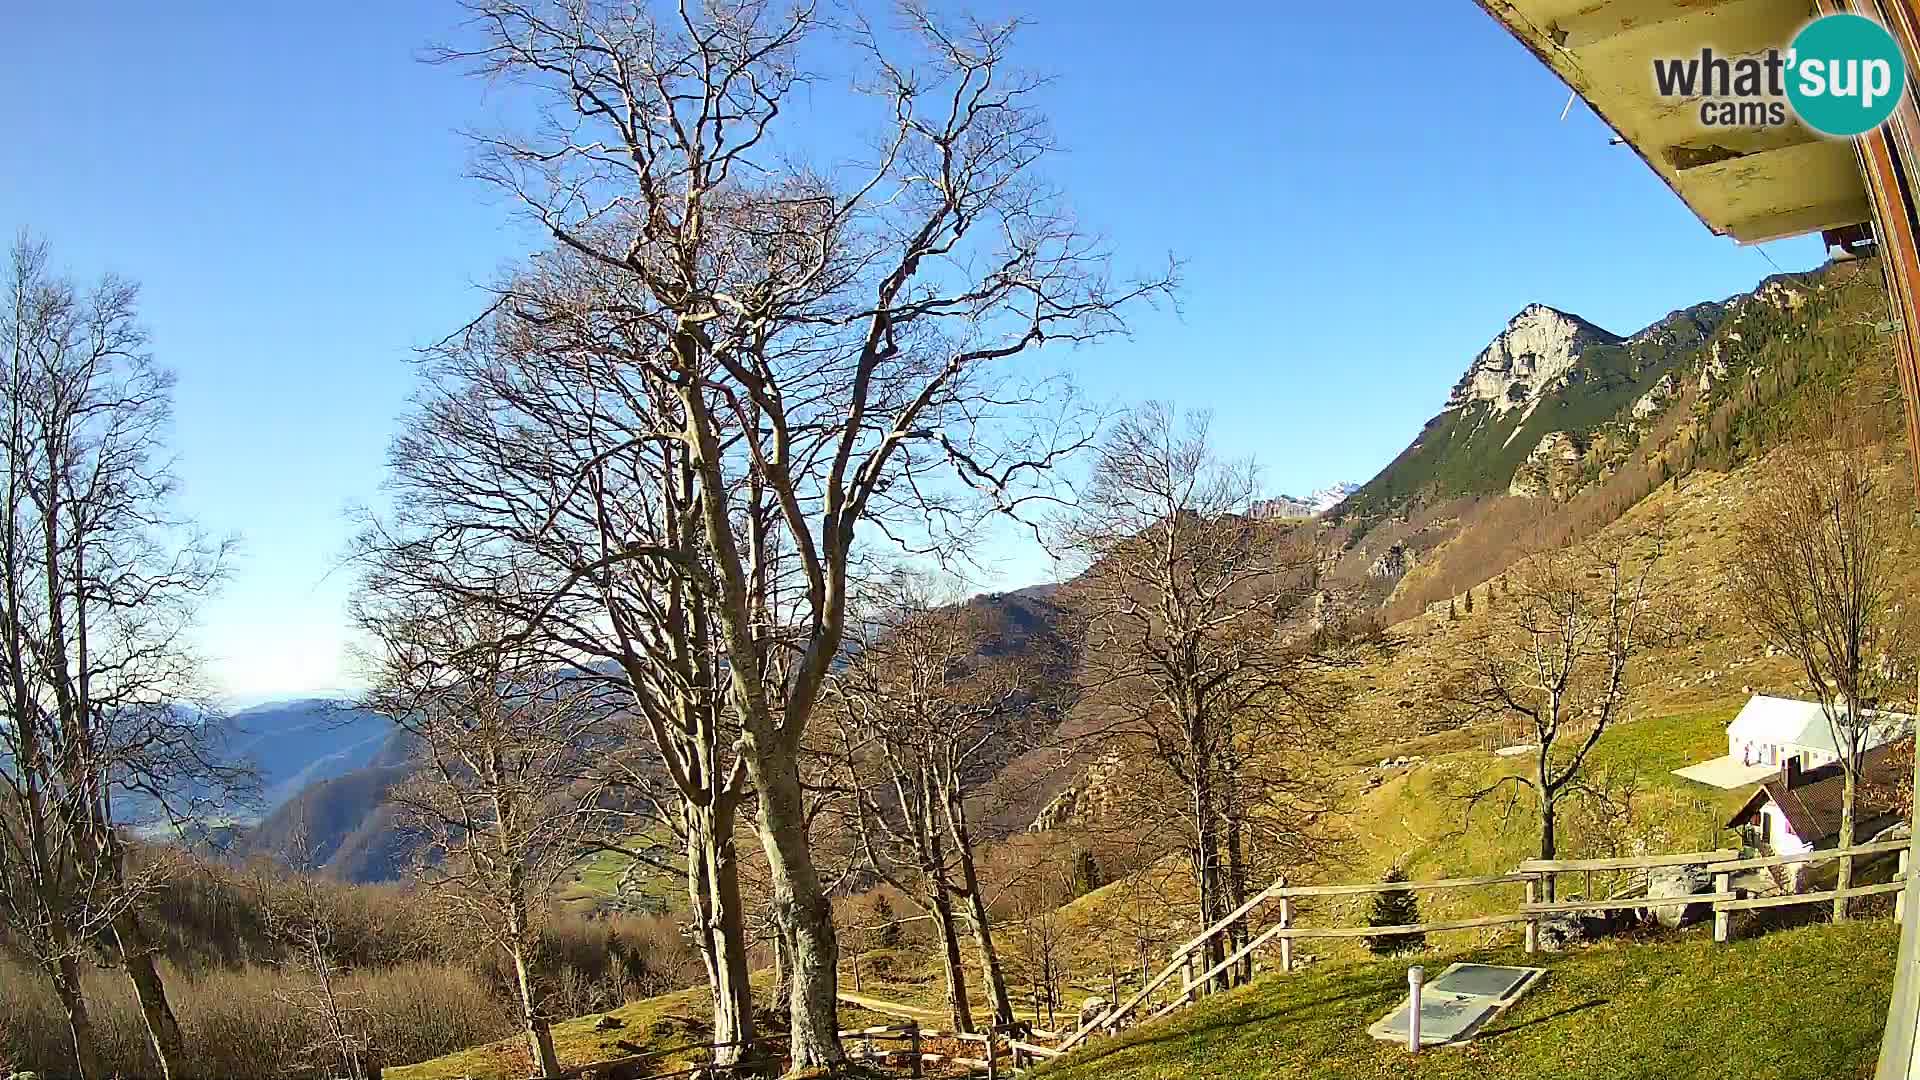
column 888, row 936
column 1086, row 872
column 1469, row 600
column 1395, row 907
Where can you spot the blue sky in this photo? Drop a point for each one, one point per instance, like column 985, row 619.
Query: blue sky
column 1362, row 197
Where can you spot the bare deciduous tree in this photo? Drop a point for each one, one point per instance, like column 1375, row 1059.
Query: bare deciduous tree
column 1208, row 643
column 506, row 747
column 535, row 486
column 932, row 705
column 821, row 344
column 298, row 911
column 97, row 588
column 1558, row 656
column 1816, row 574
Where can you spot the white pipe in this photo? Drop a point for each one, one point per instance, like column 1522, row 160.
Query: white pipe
column 1416, row 975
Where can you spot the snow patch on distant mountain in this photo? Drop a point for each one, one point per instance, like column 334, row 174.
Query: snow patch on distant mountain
column 1290, row 506
column 1331, row 496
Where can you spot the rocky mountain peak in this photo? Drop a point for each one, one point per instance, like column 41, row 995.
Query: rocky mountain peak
column 1331, row 496
column 1290, row 506
column 1538, row 349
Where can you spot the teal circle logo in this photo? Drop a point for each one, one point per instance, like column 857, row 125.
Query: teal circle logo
column 1846, row 75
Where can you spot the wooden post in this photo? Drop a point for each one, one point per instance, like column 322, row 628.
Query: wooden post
column 1900, row 898
column 1533, row 928
column 913, row 1044
column 1722, row 918
column 1286, row 920
column 1188, row 987
column 993, row 1071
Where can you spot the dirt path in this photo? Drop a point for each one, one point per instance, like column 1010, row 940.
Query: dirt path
column 894, row 1008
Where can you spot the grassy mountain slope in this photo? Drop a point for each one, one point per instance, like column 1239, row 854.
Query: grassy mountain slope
column 342, row 825
column 1805, row 1004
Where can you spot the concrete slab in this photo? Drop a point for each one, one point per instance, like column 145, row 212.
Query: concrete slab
column 1726, row 772
column 1455, row 1006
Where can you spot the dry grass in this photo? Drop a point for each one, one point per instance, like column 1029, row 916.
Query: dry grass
column 416, row 985
column 247, row 1023
column 674, row 1026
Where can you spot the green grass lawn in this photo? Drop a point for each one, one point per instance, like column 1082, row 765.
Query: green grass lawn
column 597, row 879
column 1806, row 1003
column 1416, row 818
column 1420, row 819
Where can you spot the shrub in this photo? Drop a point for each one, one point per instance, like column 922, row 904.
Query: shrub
column 247, row 1023
column 1395, row 907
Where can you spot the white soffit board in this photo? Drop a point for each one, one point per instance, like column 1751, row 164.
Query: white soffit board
column 1750, row 183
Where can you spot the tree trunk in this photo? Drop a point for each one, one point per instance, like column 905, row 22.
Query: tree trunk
column 1845, row 880
column 713, row 884
column 163, row 1030
column 998, row 1000
column 782, row 988
column 800, row 907
column 940, row 900
column 1206, row 867
column 86, row 1053
column 1549, row 847
column 1236, row 872
column 960, row 1008
column 539, row 1029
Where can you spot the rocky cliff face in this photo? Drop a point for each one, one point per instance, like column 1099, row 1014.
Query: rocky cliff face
column 1393, row 562
column 1547, row 375
column 1552, row 469
column 1289, row 506
column 1091, row 797
column 1537, row 353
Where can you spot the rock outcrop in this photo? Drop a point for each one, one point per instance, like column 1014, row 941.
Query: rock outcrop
column 1284, row 507
column 1714, row 368
column 1656, row 397
column 1553, row 469
column 1673, row 883
column 1393, row 562
column 1087, row 798
column 1538, row 350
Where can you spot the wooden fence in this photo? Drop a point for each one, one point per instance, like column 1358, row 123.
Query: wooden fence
column 1536, row 878
column 1019, row 1048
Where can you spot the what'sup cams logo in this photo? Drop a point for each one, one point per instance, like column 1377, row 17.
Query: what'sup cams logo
column 1842, row 76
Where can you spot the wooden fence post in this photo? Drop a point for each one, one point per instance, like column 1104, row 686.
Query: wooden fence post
column 1188, row 987
column 913, row 1044
column 1900, row 898
column 1286, row 922
column 993, row 1071
column 1532, row 924
column 1722, row 918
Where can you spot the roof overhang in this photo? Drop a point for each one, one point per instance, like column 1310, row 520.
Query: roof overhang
column 1750, row 183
